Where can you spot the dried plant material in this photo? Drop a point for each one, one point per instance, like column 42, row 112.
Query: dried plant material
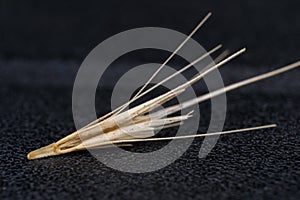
column 135, row 123
column 120, row 127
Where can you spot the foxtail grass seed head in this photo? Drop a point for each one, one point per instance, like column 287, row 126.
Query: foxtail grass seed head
column 122, row 128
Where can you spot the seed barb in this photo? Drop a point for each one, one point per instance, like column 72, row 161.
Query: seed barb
column 111, row 130
column 122, row 128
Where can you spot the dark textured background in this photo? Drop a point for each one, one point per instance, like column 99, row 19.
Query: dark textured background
column 42, row 44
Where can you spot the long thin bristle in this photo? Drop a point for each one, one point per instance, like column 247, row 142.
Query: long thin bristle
column 223, row 55
column 240, row 84
column 186, row 104
column 174, row 52
column 155, row 73
column 169, row 77
column 189, row 136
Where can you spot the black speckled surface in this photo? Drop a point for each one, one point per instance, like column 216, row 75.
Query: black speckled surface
column 41, row 47
column 255, row 165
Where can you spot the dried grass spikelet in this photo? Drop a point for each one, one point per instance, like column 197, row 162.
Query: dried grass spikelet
column 136, row 125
